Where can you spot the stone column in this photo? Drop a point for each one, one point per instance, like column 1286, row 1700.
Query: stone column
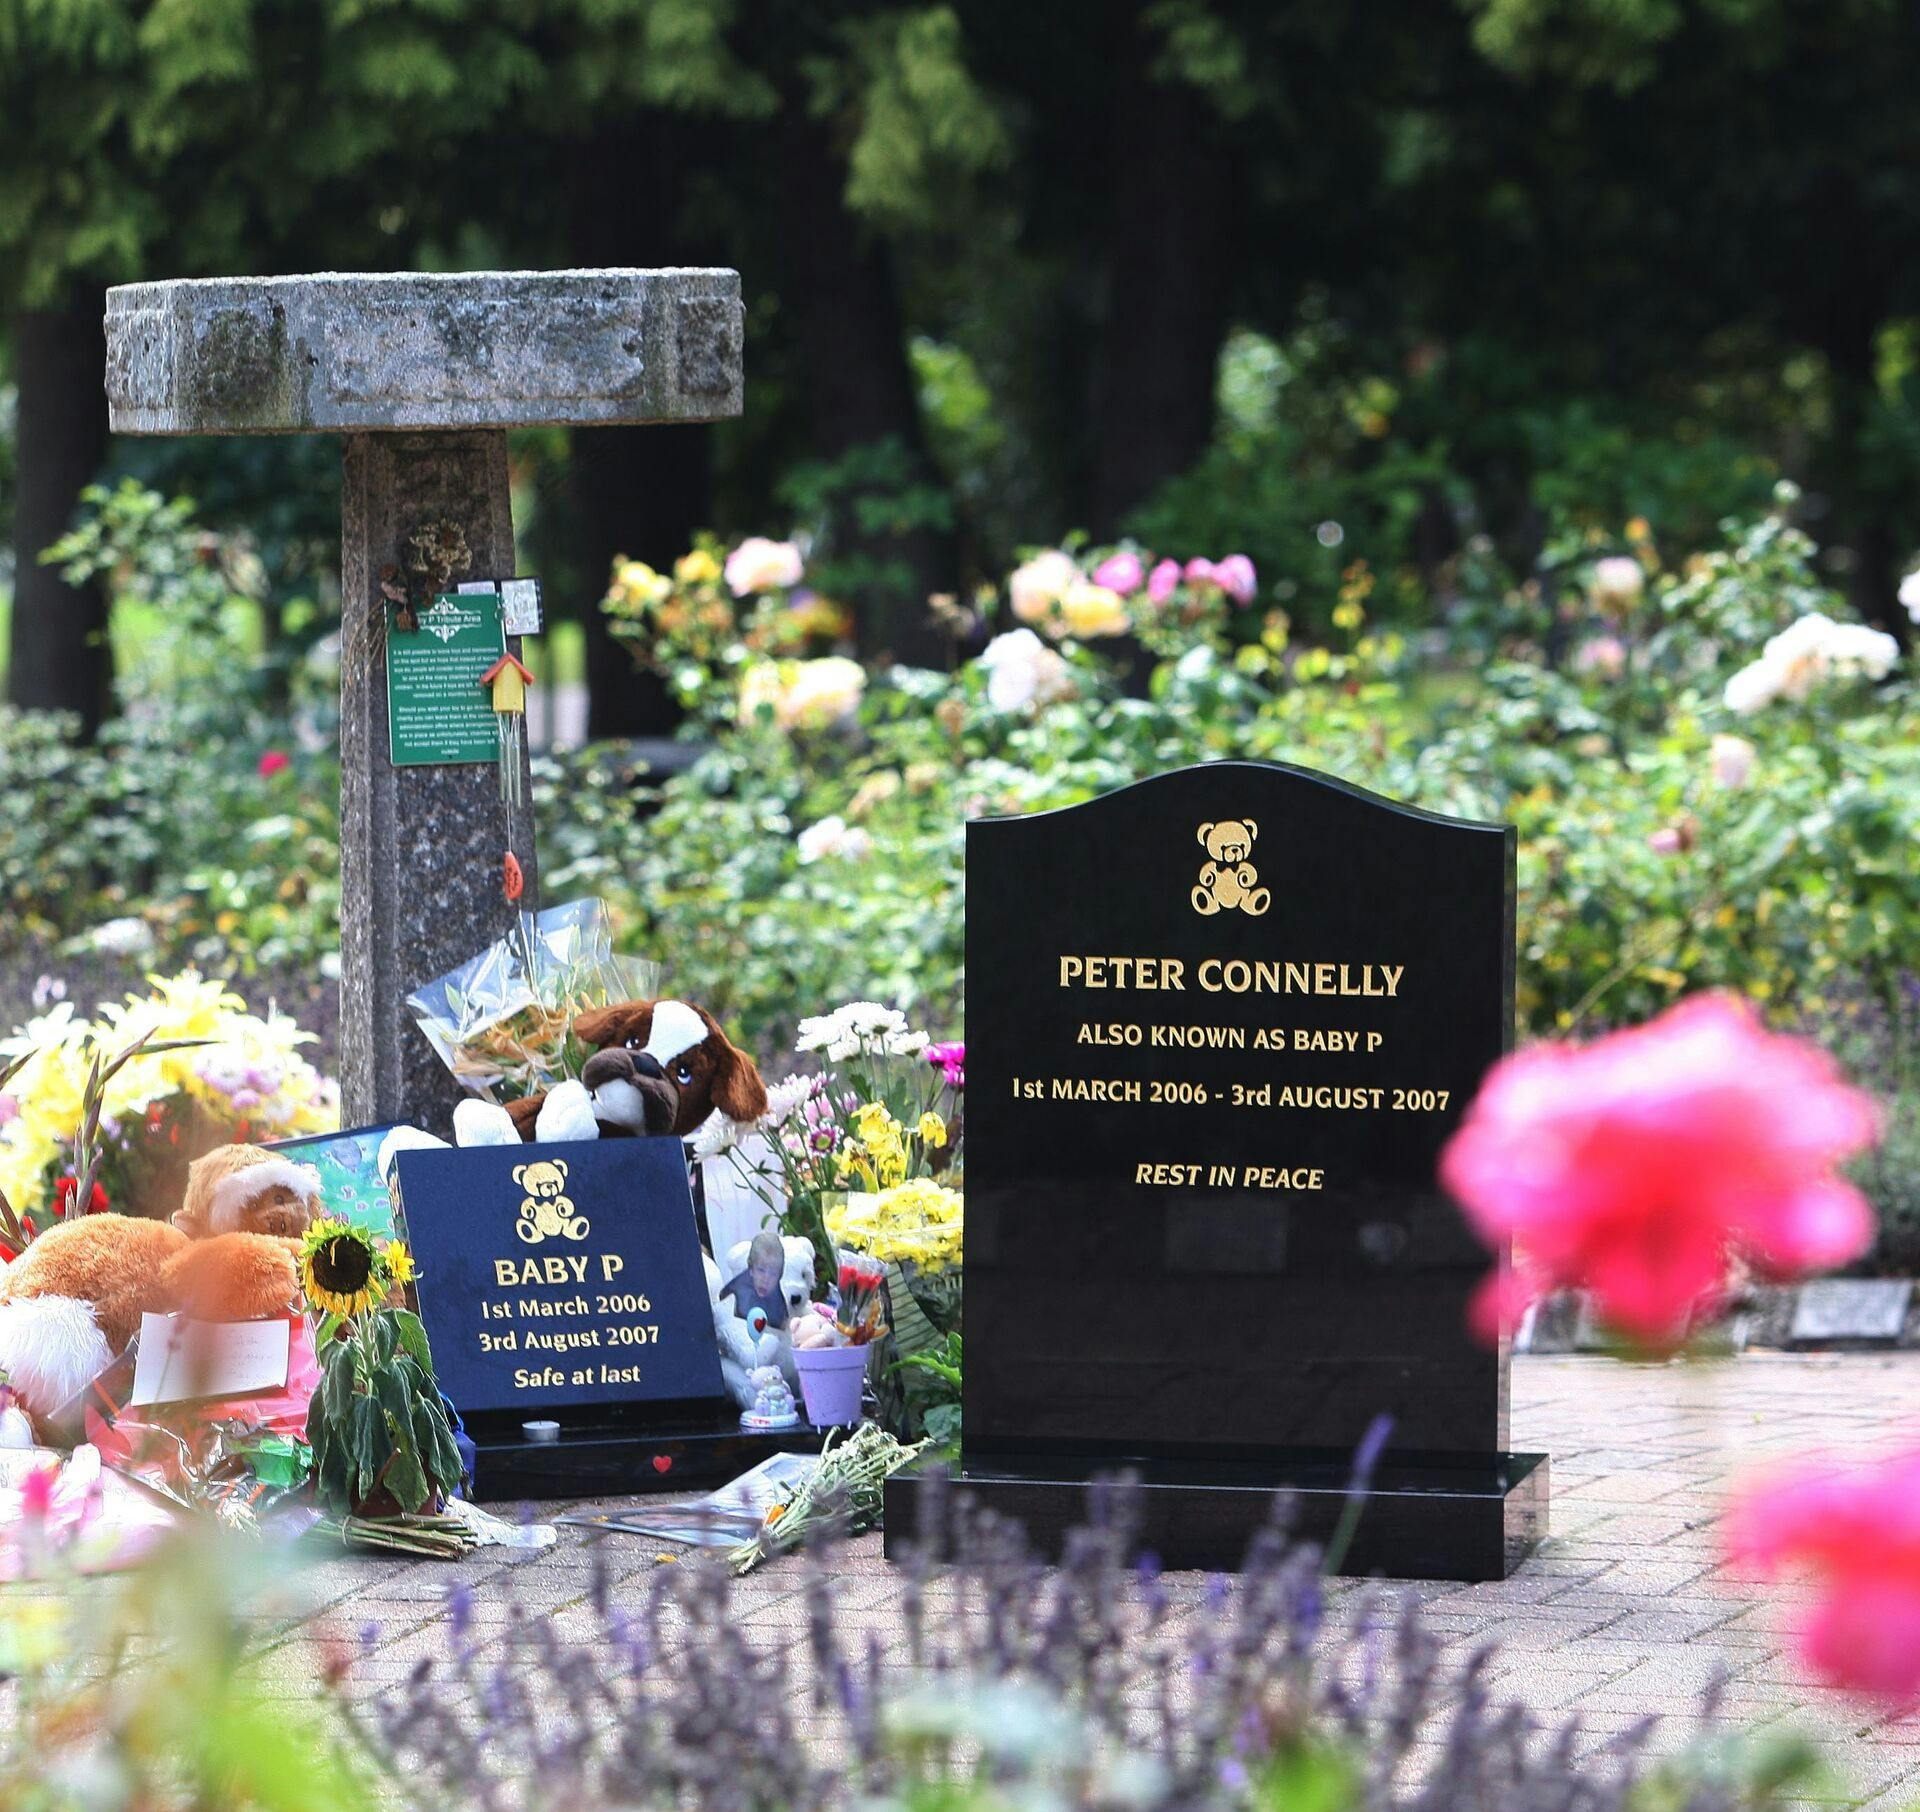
column 422, row 376
column 420, row 847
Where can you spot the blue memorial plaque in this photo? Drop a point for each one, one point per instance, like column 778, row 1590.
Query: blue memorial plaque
column 557, row 1277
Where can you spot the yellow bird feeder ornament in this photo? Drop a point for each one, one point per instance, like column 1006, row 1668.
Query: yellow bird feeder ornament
column 508, row 680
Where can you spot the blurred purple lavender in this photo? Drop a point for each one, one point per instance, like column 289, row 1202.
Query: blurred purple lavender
column 1017, row 1685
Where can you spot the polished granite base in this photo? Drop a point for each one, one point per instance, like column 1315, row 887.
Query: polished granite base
column 1466, row 1522
column 611, row 1458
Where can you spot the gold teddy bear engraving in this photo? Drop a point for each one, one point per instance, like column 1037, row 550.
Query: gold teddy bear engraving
column 1228, row 881
column 546, row 1212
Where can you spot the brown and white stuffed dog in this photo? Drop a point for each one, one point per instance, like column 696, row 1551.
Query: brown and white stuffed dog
column 73, row 1300
column 658, row 1066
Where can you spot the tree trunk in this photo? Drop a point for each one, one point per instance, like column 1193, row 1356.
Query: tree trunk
column 1175, row 192
column 840, row 291
column 59, row 658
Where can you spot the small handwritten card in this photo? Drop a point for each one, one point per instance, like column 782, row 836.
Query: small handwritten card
column 180, row 1360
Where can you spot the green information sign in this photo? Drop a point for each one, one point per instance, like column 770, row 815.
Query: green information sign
column 437, row 709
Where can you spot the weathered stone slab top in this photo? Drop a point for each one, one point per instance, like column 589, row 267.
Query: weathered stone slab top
column 484, row 349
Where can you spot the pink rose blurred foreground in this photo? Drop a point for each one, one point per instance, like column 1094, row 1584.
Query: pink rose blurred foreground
column 1854, row 1534
column 1641, row 1166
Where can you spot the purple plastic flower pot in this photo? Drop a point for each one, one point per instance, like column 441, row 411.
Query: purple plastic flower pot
column 830, row 1380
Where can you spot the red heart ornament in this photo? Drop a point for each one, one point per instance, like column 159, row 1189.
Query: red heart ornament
column 663, row 1462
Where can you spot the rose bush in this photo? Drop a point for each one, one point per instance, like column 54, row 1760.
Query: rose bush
column 1667, row 841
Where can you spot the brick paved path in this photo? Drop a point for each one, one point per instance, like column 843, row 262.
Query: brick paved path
column 1624, row 1613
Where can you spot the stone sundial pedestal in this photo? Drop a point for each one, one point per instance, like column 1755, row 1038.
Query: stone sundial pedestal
column 421, row 376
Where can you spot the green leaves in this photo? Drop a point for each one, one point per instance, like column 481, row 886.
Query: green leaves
column 377, row 1425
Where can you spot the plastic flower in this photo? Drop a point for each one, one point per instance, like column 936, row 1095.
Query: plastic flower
column 1854, row 1534
column 1641, row 1166
column 1036, row 587
column 758, row 564
column 274, row 761
column 340, row 1270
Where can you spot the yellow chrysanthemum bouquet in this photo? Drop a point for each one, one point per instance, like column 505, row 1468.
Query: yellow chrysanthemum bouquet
column 869, row 1148
column 203, row 1071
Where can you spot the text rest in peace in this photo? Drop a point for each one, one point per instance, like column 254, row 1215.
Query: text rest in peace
column 1232, row 975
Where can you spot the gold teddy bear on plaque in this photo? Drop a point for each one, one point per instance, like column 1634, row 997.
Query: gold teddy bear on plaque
column 1228, row 881
column 546, row 1212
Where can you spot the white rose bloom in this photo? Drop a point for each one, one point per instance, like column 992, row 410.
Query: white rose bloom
column 758, row 564
column 1041, row 583
column 1618, row 579
column 1806, row 653
column 1753, row 688
column 1910, row 594
column 1732, row 759
column 819, row 694
column 834, row 838
column 1022, row 671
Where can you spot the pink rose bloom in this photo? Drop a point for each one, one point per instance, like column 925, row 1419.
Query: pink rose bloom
column 1235, row 576
column 1163, row 581
column 1854, row 1534
column 1202, row 572
column 1120, row 572
column 1640, row 1166
column 274, row 761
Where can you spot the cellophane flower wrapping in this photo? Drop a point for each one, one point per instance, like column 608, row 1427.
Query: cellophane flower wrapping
column 502, row 1022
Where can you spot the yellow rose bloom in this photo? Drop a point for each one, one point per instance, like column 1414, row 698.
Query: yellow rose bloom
column 1088, row 609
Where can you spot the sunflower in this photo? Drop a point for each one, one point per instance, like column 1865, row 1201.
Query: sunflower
column 400, row 1266
column 340, row 1270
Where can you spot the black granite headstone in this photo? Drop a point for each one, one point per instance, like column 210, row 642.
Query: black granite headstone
column 1219, row 1026
column 564, row 1296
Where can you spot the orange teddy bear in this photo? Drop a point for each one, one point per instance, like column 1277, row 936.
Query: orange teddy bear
column 72, row 1301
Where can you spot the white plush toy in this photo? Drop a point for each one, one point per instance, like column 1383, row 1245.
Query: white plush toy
column 775, row 1275
column 477, row 1122
column 404, row 1138
column 566, row 1113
